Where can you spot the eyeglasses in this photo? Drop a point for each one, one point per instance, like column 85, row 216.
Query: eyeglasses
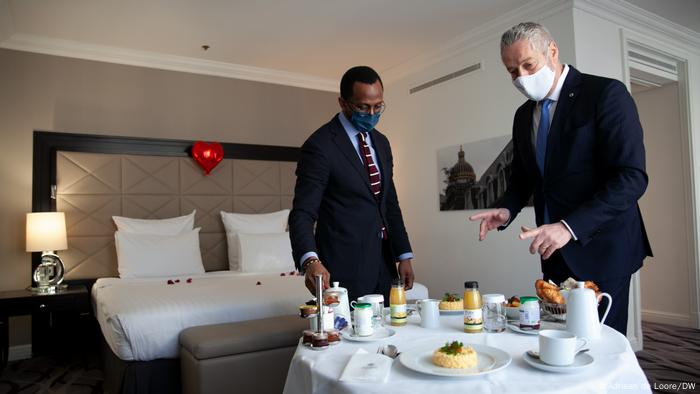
column 366, row 109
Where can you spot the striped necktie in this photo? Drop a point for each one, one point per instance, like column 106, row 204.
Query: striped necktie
column 375, row 181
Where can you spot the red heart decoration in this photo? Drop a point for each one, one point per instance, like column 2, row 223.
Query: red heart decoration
column 207, row 155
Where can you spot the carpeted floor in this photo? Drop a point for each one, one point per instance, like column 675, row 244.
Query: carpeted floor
column 671, row 355
column 63, row 374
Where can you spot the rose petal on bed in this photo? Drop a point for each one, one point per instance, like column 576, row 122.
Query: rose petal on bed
column 170, row 282
column 282, row 274
column 258, row 284
column 189, row 280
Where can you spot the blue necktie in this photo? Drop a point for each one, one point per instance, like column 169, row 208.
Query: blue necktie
column 542, row 131
column 541, row 144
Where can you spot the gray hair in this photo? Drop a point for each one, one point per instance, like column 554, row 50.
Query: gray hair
column 537, row 35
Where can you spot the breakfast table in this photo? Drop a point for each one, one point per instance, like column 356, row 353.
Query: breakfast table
column 610, row 364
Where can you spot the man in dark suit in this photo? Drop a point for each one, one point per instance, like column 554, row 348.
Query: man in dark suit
column 578, row 148
column 345, row 189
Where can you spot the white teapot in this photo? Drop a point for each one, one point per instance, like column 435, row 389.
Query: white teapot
column 582, row 312
column 343, row 306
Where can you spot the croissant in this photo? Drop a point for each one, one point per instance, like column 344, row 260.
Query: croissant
column 548, row 292
column 553, row 296
column 591, row 285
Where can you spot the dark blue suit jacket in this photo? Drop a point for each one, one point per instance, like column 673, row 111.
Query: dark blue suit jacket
column 333, row 192
column 594, row 175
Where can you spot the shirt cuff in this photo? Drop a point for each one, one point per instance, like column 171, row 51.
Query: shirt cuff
column 570, row 230
column 507, row 223
column 405, row 256
column 306, row 256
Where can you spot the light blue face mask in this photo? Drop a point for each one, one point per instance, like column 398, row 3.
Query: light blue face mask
column 364, row 121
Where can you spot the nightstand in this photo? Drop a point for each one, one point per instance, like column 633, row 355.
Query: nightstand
column 46, row 310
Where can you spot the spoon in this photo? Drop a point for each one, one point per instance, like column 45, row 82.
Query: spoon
column 390, row 351
column 536, row 355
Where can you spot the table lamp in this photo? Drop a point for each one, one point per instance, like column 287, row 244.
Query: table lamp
column 46, row 233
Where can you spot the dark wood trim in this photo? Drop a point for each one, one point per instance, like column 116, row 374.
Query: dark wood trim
column 47, row 143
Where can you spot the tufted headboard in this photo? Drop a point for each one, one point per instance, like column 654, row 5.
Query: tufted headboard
column 92, row 178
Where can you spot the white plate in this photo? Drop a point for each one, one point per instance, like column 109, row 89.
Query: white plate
column 451, row 311
column 544, row 325
column 378, row 335
column 420, row 359
column 582, row 360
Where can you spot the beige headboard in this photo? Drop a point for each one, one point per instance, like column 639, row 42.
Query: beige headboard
column 92, row 187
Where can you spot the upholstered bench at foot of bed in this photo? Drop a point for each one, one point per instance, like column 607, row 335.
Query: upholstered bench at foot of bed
column 251, row 356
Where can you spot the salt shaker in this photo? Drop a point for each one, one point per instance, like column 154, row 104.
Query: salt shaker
column 494, row 312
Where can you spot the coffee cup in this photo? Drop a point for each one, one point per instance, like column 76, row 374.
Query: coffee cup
column 429, row 312
column 559, row 347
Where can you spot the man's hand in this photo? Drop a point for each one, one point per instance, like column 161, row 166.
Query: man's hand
column 547, row 238
column 406, row 273
column 310, row 276
column 490, row 220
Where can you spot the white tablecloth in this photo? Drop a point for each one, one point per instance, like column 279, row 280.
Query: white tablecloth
column 615, row 368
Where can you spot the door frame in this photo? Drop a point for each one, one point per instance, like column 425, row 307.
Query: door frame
column 689, row 159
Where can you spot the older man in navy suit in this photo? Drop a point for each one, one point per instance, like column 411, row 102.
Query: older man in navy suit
column 578, row 148
column 346, row 223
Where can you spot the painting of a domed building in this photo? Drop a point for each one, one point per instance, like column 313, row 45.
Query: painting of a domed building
column 474, row 175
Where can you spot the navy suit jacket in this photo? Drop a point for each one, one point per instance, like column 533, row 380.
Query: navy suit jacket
column 333, row 192
column 594, row 175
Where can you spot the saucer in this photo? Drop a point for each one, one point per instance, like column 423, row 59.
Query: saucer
column 582, row 361
column 451, row 311
column 380, row 333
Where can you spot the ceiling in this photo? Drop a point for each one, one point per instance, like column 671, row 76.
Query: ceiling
column 315, row 38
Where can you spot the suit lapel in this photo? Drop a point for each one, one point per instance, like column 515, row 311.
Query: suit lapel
column 567, row 96
column 342, row 141
column 525, row 134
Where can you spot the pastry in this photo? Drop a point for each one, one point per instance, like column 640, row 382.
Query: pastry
column 513, row 302
column 455, row 355
column 591, row 285
column 549, row 292
column 451, row 302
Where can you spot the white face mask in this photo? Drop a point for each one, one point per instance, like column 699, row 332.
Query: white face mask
column 537, row 85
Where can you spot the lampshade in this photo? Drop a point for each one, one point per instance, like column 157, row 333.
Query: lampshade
column 46, row 231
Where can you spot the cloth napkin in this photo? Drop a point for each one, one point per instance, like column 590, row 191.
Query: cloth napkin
column 367, row 367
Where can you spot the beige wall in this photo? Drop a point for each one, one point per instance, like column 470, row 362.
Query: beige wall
column 665, row 277
column 41, row 92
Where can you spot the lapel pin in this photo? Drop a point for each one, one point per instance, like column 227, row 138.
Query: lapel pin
column 571, row 94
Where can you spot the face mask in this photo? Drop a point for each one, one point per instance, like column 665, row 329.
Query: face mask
column 363, row 121
column 537, row 85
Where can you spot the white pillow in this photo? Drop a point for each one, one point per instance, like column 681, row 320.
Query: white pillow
column 263, row 223
column 170, row 226
column 148, row 255
column 265, row 252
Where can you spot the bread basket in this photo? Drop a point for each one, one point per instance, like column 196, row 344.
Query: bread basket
column 557, row 312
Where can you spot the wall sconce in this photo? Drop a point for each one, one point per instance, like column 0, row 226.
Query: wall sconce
column 46, row 233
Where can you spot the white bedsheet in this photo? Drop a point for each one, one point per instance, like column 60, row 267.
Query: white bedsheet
column 141, row 319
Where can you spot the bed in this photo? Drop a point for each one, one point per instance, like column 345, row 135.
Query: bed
column 93, row 178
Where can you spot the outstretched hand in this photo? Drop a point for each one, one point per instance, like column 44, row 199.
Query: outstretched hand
column 490, row 220
column 547, row 238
